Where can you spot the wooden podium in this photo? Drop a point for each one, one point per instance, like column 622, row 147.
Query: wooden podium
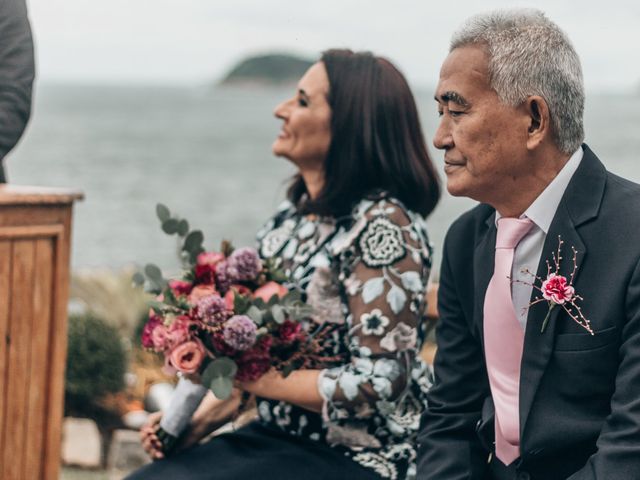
column 35, row 234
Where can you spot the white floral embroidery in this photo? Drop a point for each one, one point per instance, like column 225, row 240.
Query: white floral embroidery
column 324, row 297
column 381, row 243
column 378, row 463
column 264, row 411
column 374, row 323
column 275, row 240
column 402, row 337
column 349, row 269
column 351, row 437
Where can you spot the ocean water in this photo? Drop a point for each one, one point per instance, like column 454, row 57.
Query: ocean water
column 206, row 154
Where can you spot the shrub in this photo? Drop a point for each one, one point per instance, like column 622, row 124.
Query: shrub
column 96, row 364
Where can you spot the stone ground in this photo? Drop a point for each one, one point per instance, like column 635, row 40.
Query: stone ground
column 68, row 473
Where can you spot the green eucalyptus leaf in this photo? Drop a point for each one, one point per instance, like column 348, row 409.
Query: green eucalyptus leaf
column 153, row 272
column 218, row 376
column 241, row 304
column 183, row 228
column 278, row 314
column 220, row 367
column 170, row 226
column 156, row 306
column 163, row 212
column 254, row 314
column 274, row 300
column 292, row 297
column 267, row 317
column 221, row 387
column 193, row 241
column 260, row 303
column 138, row 279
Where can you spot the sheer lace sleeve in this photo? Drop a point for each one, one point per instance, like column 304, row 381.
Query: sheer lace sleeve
column 384, row 273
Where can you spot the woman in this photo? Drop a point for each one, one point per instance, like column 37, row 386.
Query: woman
column 351, row 237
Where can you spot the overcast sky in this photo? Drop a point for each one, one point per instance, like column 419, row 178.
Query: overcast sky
column 193, row 42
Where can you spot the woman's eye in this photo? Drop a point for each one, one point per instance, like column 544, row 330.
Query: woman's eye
column 302, row 102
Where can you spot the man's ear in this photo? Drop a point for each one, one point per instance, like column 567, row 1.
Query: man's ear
column 539, row 121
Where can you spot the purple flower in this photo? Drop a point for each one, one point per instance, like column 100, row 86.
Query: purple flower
column 240, row 332
column 212, row 309
column 244, row 264
column 223, row 277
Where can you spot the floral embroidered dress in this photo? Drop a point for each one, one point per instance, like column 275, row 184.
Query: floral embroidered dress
column 366, row 275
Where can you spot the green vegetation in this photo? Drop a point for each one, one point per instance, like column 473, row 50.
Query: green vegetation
column 96, row 364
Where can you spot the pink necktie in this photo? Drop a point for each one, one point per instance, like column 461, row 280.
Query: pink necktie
column 503, row 340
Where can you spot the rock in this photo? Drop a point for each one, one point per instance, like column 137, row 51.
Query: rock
column 126, row 453
column 81, row 443
column 270, row 69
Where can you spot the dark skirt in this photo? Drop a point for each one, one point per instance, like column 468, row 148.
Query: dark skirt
column 256, row 451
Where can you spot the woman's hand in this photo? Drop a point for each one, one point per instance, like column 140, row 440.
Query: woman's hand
column 149, row 439
column 210, row 415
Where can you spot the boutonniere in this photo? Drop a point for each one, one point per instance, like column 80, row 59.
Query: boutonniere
column 556, row 290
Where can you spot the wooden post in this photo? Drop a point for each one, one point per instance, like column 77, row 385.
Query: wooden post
column 35, row 234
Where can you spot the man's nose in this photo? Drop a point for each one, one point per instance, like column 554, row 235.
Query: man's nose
column 443, row 139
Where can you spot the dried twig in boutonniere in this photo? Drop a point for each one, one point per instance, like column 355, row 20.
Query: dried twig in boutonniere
column 556, row 290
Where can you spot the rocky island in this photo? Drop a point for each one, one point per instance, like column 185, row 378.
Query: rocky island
column 267, row 70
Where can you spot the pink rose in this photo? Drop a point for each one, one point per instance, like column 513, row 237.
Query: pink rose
column 186, row 357
column 153, row 334
column 201, row 291
column 180, row 287
column 270, row 289
column 556, row 290
column 234, row 290
column 209, row 258
column 206, row 266
column 179, row 331
column 159, row 338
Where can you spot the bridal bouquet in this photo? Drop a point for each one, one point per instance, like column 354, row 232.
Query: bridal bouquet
column 229, row 317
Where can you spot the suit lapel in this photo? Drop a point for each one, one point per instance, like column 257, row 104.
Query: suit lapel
column 538, row 345
column 483, row 265
column 580, row 203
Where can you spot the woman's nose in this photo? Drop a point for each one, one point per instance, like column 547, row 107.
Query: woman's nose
column 282, row 110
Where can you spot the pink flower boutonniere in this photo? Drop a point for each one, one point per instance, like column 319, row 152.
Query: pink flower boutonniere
column 557, row 290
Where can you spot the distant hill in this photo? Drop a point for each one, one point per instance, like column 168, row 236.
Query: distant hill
column 271, row 69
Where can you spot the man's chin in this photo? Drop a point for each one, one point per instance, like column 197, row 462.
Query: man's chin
column 455, row 189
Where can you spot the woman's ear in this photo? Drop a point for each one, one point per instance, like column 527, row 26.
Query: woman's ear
column 539, row 121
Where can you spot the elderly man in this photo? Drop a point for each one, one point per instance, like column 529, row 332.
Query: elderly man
column 538, row 366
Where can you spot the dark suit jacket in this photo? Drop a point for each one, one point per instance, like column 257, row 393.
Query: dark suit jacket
column 17, row 72
column 579, row 394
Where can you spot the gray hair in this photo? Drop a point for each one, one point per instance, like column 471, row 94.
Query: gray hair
column 530, row 55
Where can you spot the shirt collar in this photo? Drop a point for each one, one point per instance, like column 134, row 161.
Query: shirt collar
column 543, row 209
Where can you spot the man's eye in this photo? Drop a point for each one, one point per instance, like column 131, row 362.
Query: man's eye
column 440, row 113
column 302, row 102
column 455, row 113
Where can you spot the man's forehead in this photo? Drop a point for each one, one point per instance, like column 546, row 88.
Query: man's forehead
column 464, row 71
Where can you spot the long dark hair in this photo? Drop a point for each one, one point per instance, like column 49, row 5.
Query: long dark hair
column 376, row 139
